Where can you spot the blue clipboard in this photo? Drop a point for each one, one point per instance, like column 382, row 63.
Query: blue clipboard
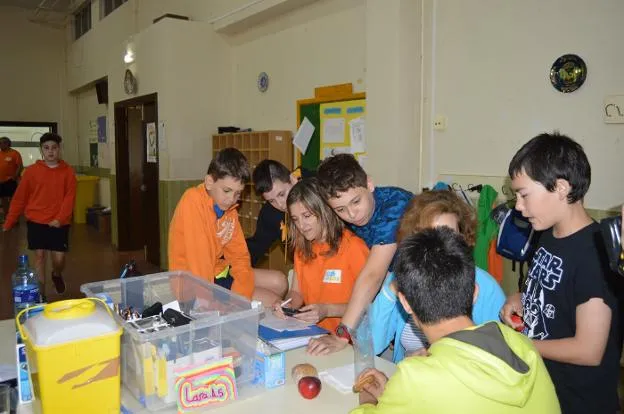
column 269, row 334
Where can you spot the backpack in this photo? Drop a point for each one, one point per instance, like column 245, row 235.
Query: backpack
column 516, row 237
column 612, row 237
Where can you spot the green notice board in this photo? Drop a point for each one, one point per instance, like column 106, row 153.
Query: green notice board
column 311, row 159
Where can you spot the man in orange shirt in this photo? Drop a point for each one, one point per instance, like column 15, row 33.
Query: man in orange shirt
column 10, row 169
column 205, row 236
column 46, row 196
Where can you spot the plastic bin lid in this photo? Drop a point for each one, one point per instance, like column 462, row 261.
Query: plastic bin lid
column 87, row 177
column 68, row 321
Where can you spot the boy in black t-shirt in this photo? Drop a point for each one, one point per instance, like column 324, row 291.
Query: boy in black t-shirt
column 568, row 304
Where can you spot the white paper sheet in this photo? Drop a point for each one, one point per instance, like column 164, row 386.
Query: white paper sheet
column 358, row 135
column 333, row 130
column 279, row 324
column 162, row 142
column 301, row 140
column 363, row 160
column 340, row 378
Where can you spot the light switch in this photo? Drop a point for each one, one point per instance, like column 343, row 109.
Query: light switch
column 613, row 109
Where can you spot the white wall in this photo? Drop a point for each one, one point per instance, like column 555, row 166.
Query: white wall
column 491, row 64
column 317, row 45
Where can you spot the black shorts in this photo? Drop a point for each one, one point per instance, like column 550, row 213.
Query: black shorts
column 44, row 237
column 7, row 188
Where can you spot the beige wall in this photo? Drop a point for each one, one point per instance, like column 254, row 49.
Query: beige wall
column 321, row 44
column 490, row 77
column 32, row 73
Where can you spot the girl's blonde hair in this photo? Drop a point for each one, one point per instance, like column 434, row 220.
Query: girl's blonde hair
column 307, row 192
column 425, row 207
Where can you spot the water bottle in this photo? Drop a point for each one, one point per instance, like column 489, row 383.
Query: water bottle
column 363, row 351
column 25, row 286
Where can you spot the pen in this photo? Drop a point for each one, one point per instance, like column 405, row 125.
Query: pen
column 286, row 302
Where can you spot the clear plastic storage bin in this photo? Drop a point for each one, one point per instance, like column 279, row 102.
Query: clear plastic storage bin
column 223, row 324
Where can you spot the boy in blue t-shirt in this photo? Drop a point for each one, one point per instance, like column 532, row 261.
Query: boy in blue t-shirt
column 374, row 215
column 568, row 302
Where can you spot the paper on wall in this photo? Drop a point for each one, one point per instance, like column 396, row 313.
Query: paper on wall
column 358, row 136
column 150, row 136
column 333, row 131
column 301, row 140
column 363, row 160
column 162, row 142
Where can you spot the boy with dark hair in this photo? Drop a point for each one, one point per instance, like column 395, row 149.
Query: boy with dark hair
column 487, row 368
column 205, row 236
column 273, row 181
column 568, row 306
column 10, row 168
column 373, row 215
column 46, row 196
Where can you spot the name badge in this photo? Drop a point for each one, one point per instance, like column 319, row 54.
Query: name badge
column 333, row 276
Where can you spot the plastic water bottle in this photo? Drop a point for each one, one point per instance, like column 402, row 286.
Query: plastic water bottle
column 363, row 350
column 25, row 286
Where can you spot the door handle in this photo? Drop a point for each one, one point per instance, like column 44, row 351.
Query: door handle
column 143, row 188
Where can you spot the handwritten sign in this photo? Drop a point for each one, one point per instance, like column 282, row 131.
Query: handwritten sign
column 204, row 385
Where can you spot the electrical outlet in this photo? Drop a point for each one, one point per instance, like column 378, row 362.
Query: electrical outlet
column 613, row 109
column 439, row 123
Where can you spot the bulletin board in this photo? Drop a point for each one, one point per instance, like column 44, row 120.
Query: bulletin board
column 341, row 95
column 343, row 129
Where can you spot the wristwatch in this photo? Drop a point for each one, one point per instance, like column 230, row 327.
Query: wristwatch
column 342, row 331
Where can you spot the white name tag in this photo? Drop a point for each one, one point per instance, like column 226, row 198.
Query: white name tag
column 333, row 276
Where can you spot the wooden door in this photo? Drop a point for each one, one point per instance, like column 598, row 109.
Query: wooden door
column 137, row 179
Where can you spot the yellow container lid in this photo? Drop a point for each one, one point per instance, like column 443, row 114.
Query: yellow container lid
column 69, row 321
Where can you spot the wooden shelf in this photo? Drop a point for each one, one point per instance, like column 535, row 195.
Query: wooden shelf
column 258, row 146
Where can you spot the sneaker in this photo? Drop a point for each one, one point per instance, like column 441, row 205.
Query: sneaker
column 59, row 283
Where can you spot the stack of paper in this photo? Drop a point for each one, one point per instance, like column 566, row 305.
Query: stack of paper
column 341, row 378
column 287, row 333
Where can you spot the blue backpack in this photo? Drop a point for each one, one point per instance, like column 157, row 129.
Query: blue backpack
column 515, row 236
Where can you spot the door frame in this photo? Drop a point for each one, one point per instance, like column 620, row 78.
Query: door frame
column 122, row 169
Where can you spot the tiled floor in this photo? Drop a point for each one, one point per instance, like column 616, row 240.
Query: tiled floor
column 91, row 258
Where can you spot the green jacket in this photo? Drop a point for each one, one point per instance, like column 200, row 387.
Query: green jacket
column 487, row 229
column 485, row 369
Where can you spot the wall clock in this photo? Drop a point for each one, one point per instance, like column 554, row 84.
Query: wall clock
column 130, row 83
column 568, row 73
column 263, row 82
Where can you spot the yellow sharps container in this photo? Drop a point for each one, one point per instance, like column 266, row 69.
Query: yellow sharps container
column 73, row 357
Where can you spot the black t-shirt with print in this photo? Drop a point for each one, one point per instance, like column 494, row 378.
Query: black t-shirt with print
column 564, row 274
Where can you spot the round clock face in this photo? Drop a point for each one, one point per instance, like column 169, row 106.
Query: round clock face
column 129, row 82
column 263, row 82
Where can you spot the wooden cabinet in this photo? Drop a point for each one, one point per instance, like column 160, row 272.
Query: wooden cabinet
column 258, row 146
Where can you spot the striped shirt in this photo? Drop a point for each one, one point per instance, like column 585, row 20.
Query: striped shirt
column 412, row 338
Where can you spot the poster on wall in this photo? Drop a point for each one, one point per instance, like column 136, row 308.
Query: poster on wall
column 101, row 129
column 152, row 149
column 93, row 131
column 93, row 154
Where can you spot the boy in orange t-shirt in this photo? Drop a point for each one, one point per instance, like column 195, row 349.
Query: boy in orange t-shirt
column 10, row 169
column 46, row 196
column 205, row 236
column 328, row 259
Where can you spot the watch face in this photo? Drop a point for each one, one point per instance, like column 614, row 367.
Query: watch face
column 129, row 82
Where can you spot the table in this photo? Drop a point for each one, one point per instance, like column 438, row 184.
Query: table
column 278, row 400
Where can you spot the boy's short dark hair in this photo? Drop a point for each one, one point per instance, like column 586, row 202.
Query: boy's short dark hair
column 50, row 136
column 339, row 173
column 266, row 173
column 229, row 162
column 435, row 272
column 7, row 139
column 549, row 157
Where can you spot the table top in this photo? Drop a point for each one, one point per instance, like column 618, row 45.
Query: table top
column 277, row 400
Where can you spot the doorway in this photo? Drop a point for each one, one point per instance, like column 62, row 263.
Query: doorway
column 136, row 155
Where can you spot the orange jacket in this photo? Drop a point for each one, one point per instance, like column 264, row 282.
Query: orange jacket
column 44, row 194
column 204, row 246
column 10, row 164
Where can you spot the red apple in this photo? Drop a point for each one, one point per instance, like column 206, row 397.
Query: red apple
column 309, row 387
column 517, row 319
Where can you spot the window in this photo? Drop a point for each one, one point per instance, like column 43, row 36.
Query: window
column 82, row 20
column 107, row 6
